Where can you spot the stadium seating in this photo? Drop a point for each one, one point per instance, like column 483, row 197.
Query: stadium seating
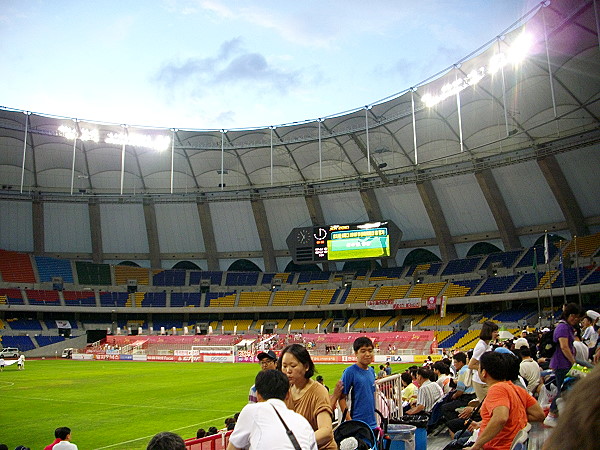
column 93, row 274
column 465, row 265
column 48, row 268
column 168, row 278
column 241, row 279
column 23, row 343
column 79, row 298
column 12, row 296
column 181, row 299
column 16, row 267
column 38, row 297
column 496, row 285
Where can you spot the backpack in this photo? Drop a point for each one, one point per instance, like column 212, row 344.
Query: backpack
column 547, row 345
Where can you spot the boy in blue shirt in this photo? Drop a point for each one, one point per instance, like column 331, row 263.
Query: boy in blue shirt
column 359, row 384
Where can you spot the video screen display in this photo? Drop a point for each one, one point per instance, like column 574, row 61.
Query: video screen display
column 354, row 241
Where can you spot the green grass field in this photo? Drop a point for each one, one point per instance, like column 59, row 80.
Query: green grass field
column 122, row 404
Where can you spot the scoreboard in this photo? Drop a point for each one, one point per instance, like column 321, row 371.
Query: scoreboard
column 347, row 242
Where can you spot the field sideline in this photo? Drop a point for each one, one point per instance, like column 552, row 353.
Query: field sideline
column 120, row 405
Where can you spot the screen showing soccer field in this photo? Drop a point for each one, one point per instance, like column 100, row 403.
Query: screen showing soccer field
column 344, row 242
column 358, row 244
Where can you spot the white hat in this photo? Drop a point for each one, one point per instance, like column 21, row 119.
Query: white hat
column 545, row 330
column 520, row 343
column 592, row 314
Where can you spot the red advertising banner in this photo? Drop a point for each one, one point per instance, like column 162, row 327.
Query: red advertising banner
column 431, row 302
column 397, row 303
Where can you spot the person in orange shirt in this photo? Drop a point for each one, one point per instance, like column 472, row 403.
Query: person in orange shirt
column 506, row 409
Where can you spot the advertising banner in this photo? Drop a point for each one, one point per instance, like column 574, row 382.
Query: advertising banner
column 160, row 358
column 431, row 302
column 140, row 358
column 397, row 303
column 219, row 358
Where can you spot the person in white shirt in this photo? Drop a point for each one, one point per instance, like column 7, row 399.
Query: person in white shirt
column 262, row 425
column 64, row 434
column 489, row 333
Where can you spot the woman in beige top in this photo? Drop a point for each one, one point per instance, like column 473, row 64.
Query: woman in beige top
column 307, row 397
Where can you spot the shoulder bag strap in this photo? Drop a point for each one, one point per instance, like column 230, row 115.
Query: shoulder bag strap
column 288, row 431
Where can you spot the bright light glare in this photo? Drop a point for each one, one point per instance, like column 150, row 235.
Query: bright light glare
column 458, row 85
column 72, row 134
column 520, row 48
column 160, row 143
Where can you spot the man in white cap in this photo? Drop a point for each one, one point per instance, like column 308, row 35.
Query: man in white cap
column 590, row 335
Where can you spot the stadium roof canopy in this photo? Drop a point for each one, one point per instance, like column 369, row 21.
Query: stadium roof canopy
column 490, row 109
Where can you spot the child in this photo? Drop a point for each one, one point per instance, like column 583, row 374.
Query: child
column 359, row 384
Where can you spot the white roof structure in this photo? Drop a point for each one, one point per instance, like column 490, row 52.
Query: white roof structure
column 447, row 158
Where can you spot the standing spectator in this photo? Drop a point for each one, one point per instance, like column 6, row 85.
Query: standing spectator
column 307, row 397
column 388, row 368
column 590, row 336
column 21, row 362
column 64, row 433
column 381, row 373
column 489, row 333
column 577, row 427
column 564, row 355
column 359, row 384
column 166, row 441
column 261, row 425
column 267, row 361
column 429, row 392
column 506, row 408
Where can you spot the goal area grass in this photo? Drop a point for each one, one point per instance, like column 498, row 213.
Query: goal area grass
column 121, row 404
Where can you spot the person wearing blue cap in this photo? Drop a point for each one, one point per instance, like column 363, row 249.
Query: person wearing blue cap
column 267, row 361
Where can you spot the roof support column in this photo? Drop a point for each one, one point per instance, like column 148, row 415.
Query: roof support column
column 95, row 231
column 564, row 195
column 152, row 232
column 37, row 211
column 438, row 221
column 264, row 234
column 495, row 201
column 208, row 234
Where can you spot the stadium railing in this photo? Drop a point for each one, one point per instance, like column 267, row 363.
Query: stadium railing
column 217, row 441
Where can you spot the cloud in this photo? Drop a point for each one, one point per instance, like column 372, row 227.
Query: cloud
column 233, row 66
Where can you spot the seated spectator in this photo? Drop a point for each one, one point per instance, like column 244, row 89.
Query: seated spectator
column 211, row 431
column 530, row 371
column 64, row 433
column 429, row 392
column 200, row 433
column 166, row 440
column 443, row 376
column 506, row 408
column 462, row 394
column 3, row 447
column 409, row 390
column 265, row 424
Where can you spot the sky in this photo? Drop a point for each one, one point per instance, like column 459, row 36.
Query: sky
column 217, row 64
